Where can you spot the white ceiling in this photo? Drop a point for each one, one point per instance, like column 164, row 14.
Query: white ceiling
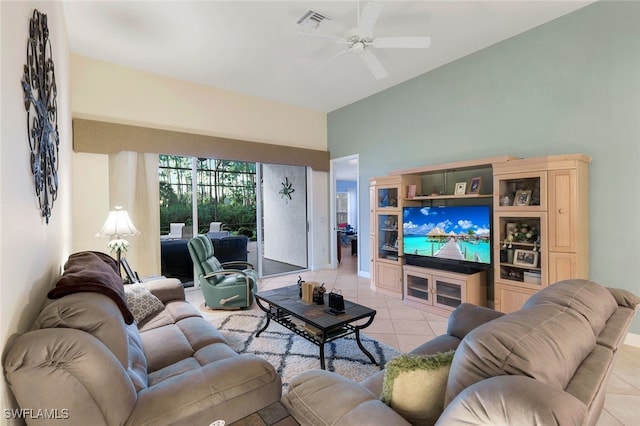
column 256, row 48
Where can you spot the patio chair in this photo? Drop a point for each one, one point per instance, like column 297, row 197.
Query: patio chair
column 224, row 285
column 175, row 232
column 216, row 226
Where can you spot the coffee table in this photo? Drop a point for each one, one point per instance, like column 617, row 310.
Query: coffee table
column 284, row 304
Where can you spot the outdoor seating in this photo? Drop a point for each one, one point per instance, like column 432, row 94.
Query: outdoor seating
column 175, row 231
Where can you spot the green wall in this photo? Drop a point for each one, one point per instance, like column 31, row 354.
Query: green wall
column 569, row 86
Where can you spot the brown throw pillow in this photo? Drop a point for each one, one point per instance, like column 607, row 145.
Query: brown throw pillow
column 414, row 386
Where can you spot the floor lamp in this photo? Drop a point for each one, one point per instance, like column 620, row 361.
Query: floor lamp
column 117, row 225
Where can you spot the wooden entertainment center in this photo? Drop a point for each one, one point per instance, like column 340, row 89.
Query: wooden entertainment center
column 539, row 231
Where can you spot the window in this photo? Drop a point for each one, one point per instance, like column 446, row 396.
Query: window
column 225, row 190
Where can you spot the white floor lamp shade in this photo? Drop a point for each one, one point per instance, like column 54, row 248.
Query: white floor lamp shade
column 118, row 225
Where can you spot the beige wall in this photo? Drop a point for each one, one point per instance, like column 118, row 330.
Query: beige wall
column 31, row 252
column 90, row 200
column 100, row 183
column 109, row 92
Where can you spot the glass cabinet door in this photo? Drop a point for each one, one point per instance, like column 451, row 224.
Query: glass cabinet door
column 388, row 236
column 522, row 252
column 387, row 197
column 521, row 191
column 448, row 292
column 418, row 287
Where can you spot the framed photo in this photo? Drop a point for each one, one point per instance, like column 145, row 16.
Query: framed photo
column 461, row 188
column 526, row 258
column 474, row 186
column 522, row 198
column 131, row 276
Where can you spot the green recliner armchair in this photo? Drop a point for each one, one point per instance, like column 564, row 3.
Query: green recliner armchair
column 229, row 285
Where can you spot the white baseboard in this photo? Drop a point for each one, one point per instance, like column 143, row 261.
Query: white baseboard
column 364, row 274
column 632, row 339
column 320, row 267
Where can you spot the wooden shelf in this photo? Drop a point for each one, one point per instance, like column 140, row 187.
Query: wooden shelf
column 511, row 265
column 447, row 197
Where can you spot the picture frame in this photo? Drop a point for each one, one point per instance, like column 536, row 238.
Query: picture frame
column 411, row 191
column 522, row 198
column 461, row 188
column 475, row 184
column 526, row 258
column 131, row 276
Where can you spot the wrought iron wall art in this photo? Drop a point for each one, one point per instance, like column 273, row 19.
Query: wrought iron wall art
column 287, row 189
column 40, row 91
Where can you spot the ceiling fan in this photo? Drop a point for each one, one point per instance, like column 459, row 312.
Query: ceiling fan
column 360, row 41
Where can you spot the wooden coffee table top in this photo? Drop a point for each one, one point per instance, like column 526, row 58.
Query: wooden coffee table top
column 288, row 299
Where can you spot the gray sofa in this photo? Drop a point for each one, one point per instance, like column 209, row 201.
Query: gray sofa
column 547, row 364
column 172, row 368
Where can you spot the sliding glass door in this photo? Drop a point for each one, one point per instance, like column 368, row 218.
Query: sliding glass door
column 228, row 202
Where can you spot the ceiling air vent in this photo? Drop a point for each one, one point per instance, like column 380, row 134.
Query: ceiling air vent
column 311, row 20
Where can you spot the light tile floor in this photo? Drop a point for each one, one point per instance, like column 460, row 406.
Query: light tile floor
column 404, row 328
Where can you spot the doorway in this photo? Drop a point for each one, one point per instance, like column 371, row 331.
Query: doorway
column 344, row 212
column 282, row 214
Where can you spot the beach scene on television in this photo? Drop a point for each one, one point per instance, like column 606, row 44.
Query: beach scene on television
column 452, row 232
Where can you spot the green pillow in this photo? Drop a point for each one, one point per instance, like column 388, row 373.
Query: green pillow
column 414, row 386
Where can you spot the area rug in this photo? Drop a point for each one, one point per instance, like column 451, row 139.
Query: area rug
column 290, row 354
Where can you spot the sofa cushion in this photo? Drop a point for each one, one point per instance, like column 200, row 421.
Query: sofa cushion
column 594, row 302
column 141, row 302
column 156, row 343
column 93, row 313
column 173, row 312
column 513, row 401
column 414, row 386
column 546, row 342
column 320, row 397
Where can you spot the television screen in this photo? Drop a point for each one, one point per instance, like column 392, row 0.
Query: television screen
column 460, row 233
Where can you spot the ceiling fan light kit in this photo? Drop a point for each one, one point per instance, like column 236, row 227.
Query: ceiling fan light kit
column 361, row 41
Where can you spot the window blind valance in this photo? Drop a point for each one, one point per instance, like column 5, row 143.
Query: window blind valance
column 101, row 137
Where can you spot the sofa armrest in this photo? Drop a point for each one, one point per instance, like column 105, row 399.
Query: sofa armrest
column 166, row 289
column 319, row 397
column 228, row 389
column 513, row 400
column 625, row 298
column 467, row 316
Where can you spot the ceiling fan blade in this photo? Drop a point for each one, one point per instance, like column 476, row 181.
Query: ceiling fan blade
column 374, row 64
column 368, row 18
column 402, row 42
column 319, row 68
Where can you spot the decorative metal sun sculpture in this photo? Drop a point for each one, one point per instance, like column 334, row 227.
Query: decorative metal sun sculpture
column 40, row 91
column 287, row 189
